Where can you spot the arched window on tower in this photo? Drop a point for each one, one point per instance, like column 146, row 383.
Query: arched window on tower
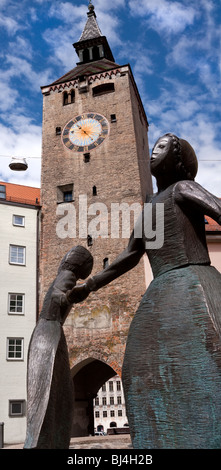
column 65, row 98
column 68, row 97
column 72, row 96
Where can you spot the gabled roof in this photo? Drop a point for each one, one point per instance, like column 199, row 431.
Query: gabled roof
column 21, row 194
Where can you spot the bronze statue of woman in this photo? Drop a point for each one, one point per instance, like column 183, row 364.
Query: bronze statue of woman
column 172, row 366
column 50, row 393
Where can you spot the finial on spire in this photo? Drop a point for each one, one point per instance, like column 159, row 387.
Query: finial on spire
column 91, row 8
column 91, row 11
column 90, row 5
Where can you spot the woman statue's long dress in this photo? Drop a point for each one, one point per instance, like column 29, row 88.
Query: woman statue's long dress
column 172, row 365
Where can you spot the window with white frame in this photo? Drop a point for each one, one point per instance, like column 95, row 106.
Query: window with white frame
column 118, row 385
column 15, row 349
column 16, row 408
column 16, row 303
column 17, row 255
column 111, row 386
column 111, row 400
column 18, row 220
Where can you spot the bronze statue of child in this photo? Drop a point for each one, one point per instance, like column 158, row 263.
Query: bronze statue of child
column 50, row 393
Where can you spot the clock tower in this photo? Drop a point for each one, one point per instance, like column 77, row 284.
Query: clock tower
column 95, row 176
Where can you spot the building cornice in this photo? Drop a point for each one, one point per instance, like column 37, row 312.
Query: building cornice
column 27, row 205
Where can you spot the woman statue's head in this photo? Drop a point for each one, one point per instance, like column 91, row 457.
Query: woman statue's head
column 173, row 157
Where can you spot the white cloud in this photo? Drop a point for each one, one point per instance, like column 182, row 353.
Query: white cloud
column 9, row 24
column 22, row 46
column 18, row 67
column 186, row 112
column 20, row 138
column 164, row 15
column 8, row 96
column 106, row 5
column 68, row 12
column 194, row 55
column 62, row 50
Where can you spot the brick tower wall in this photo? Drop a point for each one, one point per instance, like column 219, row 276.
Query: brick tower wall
column 119, row 169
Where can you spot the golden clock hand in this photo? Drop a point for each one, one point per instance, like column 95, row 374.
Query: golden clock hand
column 79, row 127
column 86, row 133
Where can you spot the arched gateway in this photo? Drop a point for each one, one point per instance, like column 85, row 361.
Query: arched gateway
column 88, row 376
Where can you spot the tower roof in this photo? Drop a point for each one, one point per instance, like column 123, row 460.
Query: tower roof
column 91, row 29
column 92, row 45
column 100, row 66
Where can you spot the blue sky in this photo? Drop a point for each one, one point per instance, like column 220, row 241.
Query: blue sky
column 174, row 49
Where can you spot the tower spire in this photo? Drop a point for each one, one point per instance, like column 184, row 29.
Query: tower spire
column 92, row 45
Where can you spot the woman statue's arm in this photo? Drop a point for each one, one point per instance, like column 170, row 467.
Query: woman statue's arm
column 127, row 260
column 192, row 194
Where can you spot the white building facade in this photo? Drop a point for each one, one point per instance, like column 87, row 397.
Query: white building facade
column 109, row 406
column 19, row 214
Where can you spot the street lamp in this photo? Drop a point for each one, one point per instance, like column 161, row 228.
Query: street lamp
column 18, row 164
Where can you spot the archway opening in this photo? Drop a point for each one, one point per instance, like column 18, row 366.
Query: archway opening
column 88, row 377
column 113, row 424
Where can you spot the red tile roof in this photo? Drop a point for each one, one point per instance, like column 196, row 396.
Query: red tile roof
column 21, row 194
column 212, row 226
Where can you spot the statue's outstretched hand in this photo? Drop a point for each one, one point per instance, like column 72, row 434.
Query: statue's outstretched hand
column 77, row 294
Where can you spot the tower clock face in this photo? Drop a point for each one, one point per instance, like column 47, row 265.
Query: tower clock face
column 85, row 132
